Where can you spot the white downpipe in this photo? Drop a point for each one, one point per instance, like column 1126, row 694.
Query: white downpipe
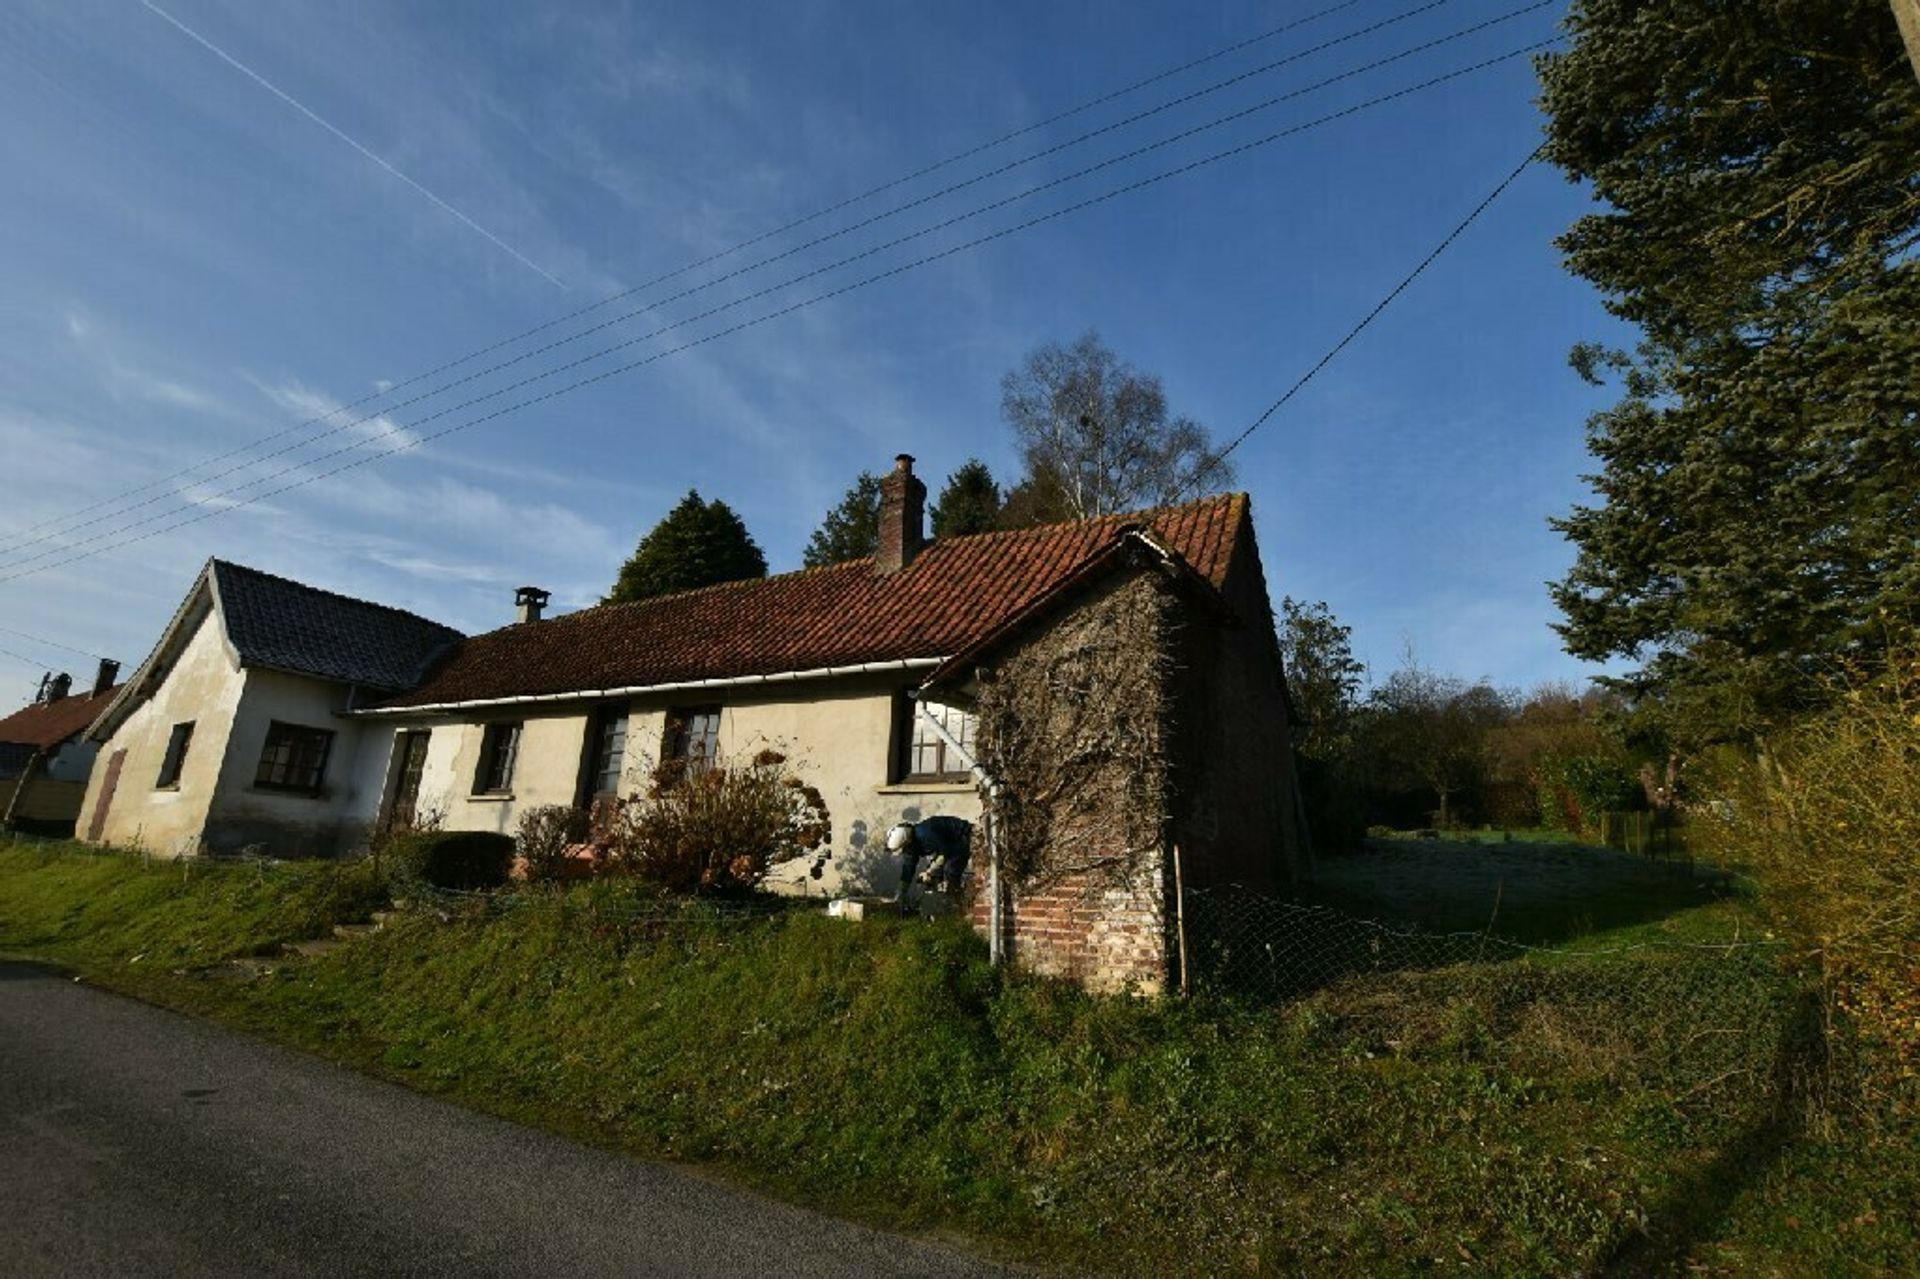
column 995, row 946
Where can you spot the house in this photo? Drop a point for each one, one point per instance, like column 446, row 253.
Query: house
column 1104, row 691
column 234, row 732
column 44, row 754
column 1116, row 681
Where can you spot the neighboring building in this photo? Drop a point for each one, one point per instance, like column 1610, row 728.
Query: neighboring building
column 45, row 757
column 1140, row 648
column 233, row 732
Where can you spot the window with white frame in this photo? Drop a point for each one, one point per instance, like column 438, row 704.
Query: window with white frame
column 925, row 755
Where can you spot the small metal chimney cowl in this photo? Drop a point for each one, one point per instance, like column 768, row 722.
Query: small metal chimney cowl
column 103, row 678
column 528, row 603
column 61, row 685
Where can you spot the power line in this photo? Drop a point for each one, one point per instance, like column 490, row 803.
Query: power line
column 1406, row 281
column 40, row 639
column 871, row 251
column 789, row 309
column 23, row 660
column 929, row 198
column 818, row 240
column 705, row 261
column 401, row 428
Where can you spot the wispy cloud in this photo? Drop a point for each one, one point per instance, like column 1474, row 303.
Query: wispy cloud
column 328, row 414
column 337, row 132
column 127, row 381
column 441, row 570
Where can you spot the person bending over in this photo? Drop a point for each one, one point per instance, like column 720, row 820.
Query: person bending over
column 950, row 839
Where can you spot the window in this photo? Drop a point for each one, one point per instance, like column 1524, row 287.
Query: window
column 693, row 734
column 499, row 747
column 925, row 755
column 294, row 758
column 175, row 758
column 606, row 753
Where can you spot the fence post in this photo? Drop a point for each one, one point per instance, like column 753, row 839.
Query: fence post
column 1180, row 922
column 996, row 942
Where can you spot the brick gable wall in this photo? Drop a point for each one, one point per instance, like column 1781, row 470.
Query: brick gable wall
column 1073, row 726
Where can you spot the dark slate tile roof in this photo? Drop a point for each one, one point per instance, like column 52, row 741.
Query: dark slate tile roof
column 44, row 725
column 287, row 625
column 955, row 593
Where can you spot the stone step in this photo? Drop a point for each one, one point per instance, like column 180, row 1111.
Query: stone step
column 347, row 932
column 311, row 949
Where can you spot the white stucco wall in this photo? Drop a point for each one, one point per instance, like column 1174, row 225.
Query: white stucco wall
column 286, row 823
column 837, row 734
column 216, row 807
column 204, row 686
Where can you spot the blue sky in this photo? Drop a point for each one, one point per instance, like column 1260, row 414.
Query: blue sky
column 193, row 263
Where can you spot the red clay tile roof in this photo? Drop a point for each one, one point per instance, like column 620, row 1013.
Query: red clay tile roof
column 44, row 725
column 953, row 594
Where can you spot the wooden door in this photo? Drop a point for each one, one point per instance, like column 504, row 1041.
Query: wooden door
column 108, row 784
column 406, row 786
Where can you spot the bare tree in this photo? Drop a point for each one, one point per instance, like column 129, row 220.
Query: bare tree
column 1098, row 429
column 1431, row 730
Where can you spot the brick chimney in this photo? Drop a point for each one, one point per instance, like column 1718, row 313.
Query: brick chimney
column 903, row 502
column 61, row 685
column 104, row 677
column 528, row 602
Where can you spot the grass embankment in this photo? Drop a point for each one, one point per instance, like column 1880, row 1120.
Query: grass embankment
column 1511, row 1121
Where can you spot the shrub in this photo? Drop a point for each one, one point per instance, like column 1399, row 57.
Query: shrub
column 722, row 828
column 461, row 859
column 1576, row 789
column 544, row 836
column 1828, row 819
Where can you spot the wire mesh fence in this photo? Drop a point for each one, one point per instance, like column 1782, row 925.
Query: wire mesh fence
column 1719, row 1024
column 1252, row 943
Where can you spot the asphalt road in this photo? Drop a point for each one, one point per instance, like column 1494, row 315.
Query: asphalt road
column 135, row 1141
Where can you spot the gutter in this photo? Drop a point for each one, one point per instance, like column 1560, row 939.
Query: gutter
column 637, row 690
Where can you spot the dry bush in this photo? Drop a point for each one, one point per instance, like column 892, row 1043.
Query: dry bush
column 720, row 828
column 1828, row 819
column 544, row 836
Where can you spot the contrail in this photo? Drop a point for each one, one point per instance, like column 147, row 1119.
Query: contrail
column 314, row 116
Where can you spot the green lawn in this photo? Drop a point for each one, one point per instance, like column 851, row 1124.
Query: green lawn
column 1533, row 886
column 1519, row 1118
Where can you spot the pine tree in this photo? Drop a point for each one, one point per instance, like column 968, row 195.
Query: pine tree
column 851, row 529
column 1040, row 498
column 697, row 544
column 1759, row 481
column 969, row 503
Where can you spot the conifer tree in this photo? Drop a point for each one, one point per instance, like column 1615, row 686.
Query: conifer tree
column 697, row 544
column 851, row 529
column 1758, row 167
column 969, row 503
